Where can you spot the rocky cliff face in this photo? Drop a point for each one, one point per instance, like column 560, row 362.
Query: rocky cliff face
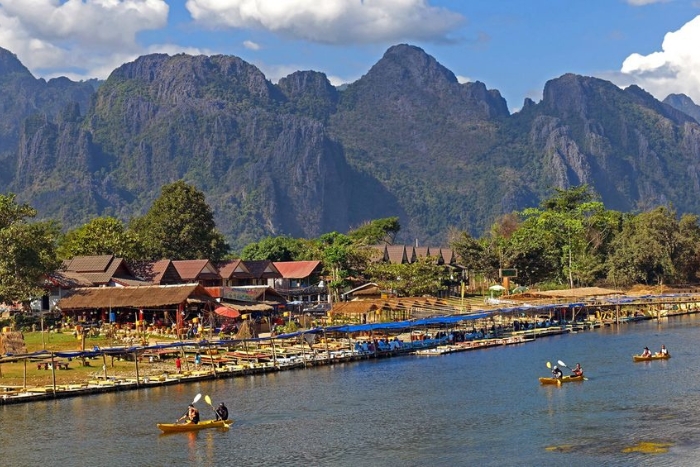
column 302, row 158
column 24, row 97
column 624, row 143
column 685, row 104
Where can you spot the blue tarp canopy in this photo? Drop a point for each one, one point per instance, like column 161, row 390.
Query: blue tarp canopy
column 400, row 325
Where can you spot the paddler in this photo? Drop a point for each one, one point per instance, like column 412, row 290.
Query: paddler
column 557, row 373
column 192, row 415
column 222, row 412
column 577, row 371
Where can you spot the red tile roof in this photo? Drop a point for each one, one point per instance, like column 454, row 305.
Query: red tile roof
column 262, row 269
column 448, row 255
column 397, row 254
column 156, row 272
column 191, row 270
column 228, row 269
column 297, row 269
column 422, row 251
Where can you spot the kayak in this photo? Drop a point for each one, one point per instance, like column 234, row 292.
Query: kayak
column 639, row 358
column 564, row 379
column 181, row 427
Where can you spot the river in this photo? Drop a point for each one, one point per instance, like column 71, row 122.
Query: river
column 480, row 407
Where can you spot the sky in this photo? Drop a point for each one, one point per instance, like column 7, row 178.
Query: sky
column 513, row 46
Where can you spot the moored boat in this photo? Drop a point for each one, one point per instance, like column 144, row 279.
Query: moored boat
column 564, row 379
column 181, row 427
column 641, row 358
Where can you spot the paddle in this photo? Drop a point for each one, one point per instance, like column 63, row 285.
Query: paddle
column 194, row 401
column 564, row 365
column 207, row 399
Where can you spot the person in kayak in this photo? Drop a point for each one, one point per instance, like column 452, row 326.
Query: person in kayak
column 647, row 352
column 664, row 350
column 577, row 371
column 192, row 415
column 557, row 373
column 222, row 412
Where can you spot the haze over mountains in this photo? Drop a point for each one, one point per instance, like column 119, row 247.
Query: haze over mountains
column 302, row 157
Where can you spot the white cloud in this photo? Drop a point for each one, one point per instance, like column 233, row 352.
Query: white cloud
column 77, row 34
column 331, row 21
column 339, row 80
column 674, row 69
column 463, row 79
column 250, row 45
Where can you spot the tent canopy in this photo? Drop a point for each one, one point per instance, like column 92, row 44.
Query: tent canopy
column 227, row 312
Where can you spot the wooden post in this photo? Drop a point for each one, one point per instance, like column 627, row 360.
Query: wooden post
column 211, row 358
column 184, row 358
column 136, row 363
column 53, row 373
column 25, row 374
column 104, row 365
column 245, row 345
column 274, row 353
column 328, row 352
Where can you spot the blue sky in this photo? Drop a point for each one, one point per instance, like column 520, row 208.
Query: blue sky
column 514, row 46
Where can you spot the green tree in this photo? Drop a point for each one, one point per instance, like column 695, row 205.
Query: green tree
column 180, row 225
column 281, row 248
column 100, row 236
column 376, row 231
column 532, row 251
column 421, row 277
column 688, row 256
column 496, row 245
column 655, row 248
column 341, row 259
column 27, row 251
column 475, row 255
column 571, row 227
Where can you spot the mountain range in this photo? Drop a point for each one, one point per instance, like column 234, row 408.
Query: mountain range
column 302, row 157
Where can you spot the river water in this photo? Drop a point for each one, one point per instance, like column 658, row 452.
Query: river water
column 480, row 407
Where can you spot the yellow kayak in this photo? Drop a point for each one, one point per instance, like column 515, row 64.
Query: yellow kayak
column 180, row 427
column 564, row 379
column 639, row 358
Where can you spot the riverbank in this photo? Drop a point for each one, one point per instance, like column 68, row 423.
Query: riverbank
column 64, row 372
column 42, row 379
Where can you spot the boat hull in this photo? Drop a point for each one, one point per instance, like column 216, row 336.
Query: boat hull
column 183, row 427
column 564, row 379
column 639, row 358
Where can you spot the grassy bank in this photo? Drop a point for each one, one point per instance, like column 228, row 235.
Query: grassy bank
column 13, row 373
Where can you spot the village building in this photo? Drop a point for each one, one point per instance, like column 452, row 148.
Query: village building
column 86, row 271
column 162, row 272
column 301, row 282
column 200, row 271
column 148, row 306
